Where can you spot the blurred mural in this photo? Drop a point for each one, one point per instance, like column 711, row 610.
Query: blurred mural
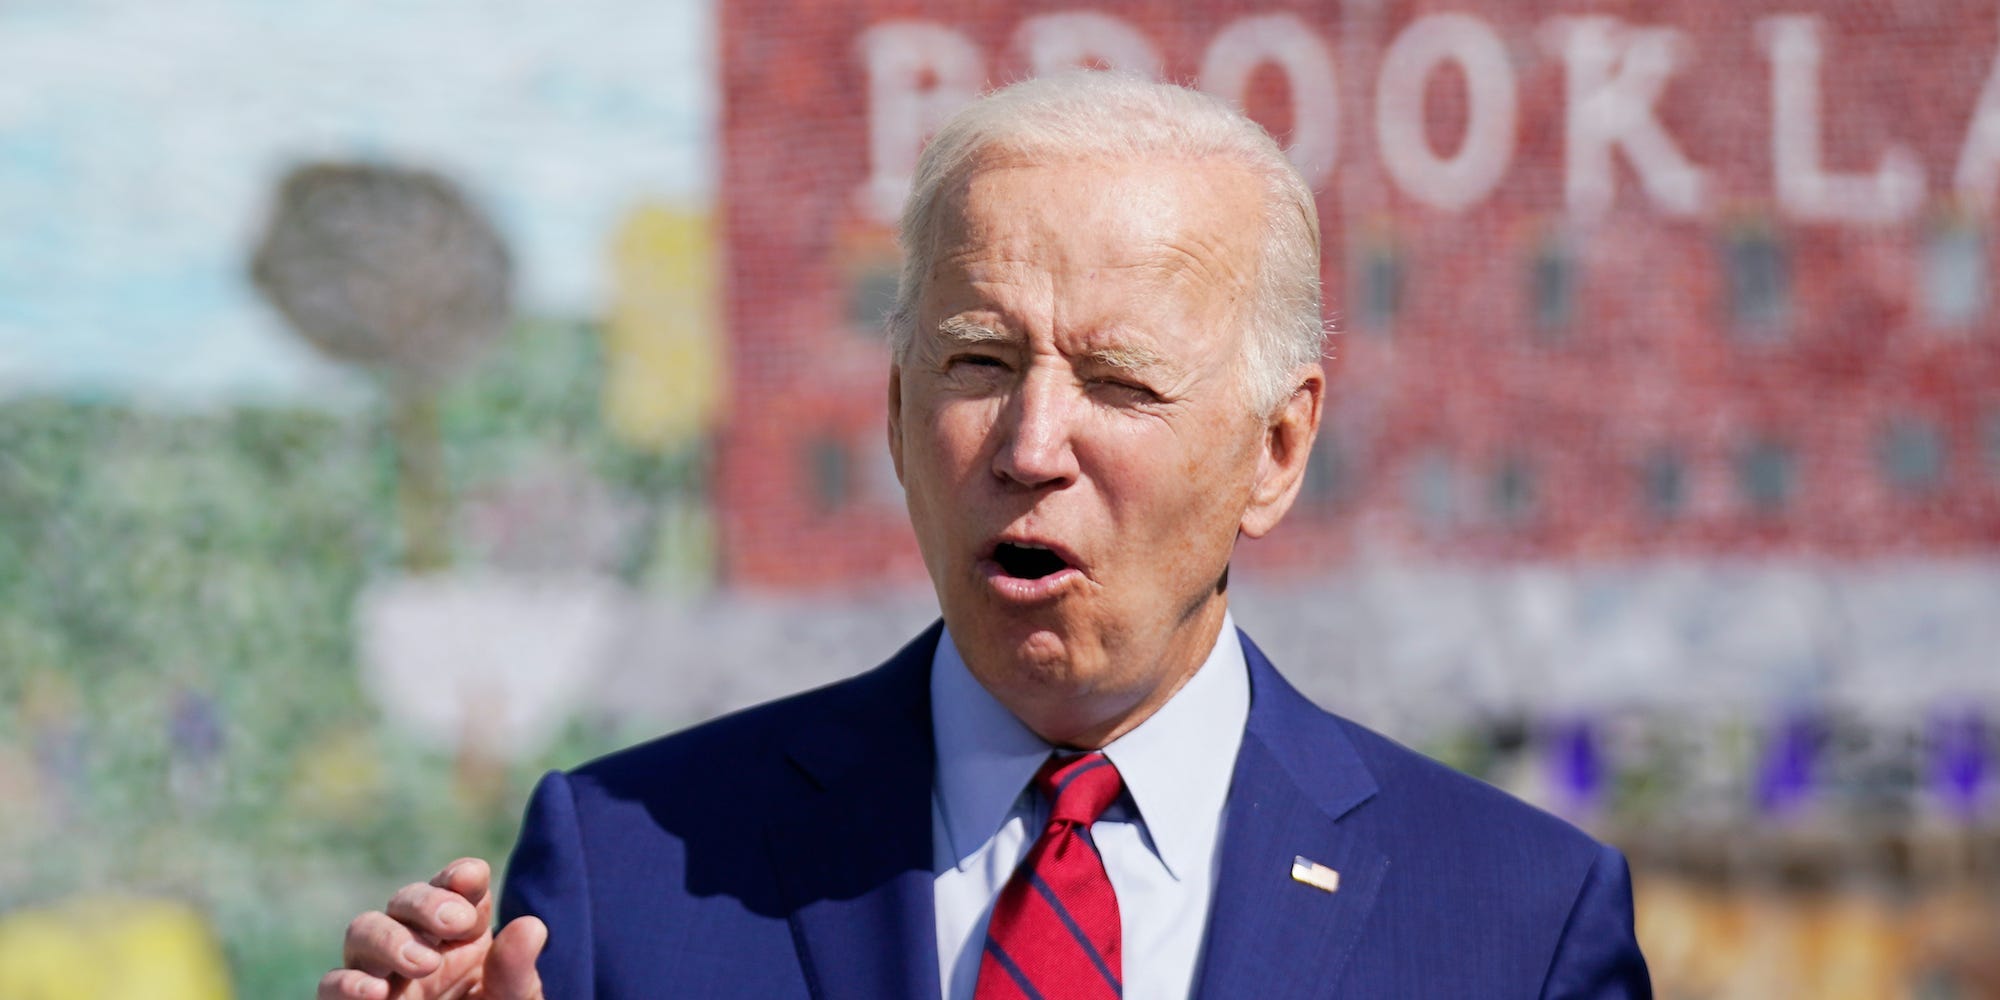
column 399, row 399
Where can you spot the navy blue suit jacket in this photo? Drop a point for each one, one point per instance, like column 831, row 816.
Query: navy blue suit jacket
column 785, row 851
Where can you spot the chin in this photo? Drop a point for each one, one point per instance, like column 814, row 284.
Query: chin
column 1027, row 654
column 1043, row 652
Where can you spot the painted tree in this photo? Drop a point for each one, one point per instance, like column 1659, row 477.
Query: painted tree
column 396, row 271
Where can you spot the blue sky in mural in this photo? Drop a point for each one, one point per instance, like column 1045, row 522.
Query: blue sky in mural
column 140, row 141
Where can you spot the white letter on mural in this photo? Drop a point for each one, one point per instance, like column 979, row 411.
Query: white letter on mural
column 1979, row 161
column 1613, row 79
column 1056, row 42
column 1805, row 189
column 1454, row 182
column 1291, row 45
column 918, row 74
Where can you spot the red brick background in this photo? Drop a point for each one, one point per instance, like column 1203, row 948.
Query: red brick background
column 1459, row 427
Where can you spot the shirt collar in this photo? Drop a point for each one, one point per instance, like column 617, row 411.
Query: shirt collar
column 1176, row 765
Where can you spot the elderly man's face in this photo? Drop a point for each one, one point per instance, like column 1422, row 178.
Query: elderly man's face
column 1074, row 434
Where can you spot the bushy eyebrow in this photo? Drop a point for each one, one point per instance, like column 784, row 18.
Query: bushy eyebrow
column 962, row 331
column 1131, row 358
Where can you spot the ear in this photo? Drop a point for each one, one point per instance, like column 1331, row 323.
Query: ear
column 896, row 419
column 1288, row 440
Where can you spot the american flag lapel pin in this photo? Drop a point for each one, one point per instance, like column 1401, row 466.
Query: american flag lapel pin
column 1315, row 874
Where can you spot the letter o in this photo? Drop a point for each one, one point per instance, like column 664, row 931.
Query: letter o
column 1290, row 44
column 1055, row 42
column 1457, row 181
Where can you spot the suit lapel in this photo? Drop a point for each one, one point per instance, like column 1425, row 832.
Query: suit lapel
column 1270, row 935
column 855, row 855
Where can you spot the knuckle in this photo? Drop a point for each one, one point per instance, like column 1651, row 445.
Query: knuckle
column 461, row 868
column 386, row 936
column 410, row 897
column 418, row 907
column 341, row 984
column 372, row 935
column 357, row 932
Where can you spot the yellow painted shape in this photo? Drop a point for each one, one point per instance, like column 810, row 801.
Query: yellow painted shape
column 338, row 776
column 110, row 948
column 664, row 383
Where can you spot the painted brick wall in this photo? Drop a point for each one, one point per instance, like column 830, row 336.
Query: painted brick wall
column 1612, row 281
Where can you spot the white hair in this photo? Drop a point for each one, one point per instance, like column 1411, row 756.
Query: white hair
column 1088, row 115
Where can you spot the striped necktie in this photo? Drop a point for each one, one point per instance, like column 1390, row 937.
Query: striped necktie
column 1054, row 930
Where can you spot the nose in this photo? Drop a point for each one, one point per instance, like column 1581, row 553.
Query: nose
column 1035, row 450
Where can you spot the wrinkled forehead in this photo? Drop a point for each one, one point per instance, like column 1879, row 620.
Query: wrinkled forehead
column 1193, row 222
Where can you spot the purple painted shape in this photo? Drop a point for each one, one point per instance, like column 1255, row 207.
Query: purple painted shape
column 1787, row 774
column 1577, row 758
column 196, row 727
column 1961, row 755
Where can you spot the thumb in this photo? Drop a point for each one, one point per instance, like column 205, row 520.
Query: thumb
column 510, row 963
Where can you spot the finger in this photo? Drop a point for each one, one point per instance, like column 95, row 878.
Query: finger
column 473, row 879
column 441, row 914
column 469, row 877
column 379, row 945
column 510, row 965
column 352, row 984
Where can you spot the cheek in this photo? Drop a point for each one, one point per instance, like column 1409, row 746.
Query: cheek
column 1182, row 497
column 948, row 439
column 1154, row 501
column 1165, row 469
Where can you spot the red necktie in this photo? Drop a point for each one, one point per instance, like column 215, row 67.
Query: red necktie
column 1054, row 930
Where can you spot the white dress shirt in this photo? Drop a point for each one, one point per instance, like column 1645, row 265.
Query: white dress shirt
column 1158, row 840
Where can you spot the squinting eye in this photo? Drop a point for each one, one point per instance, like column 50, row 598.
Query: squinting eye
column 1130, row 390
column 978, row 361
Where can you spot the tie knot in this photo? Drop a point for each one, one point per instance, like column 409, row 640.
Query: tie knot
column 1079, row 789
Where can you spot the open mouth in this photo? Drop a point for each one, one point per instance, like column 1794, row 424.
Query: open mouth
column 1028, row 562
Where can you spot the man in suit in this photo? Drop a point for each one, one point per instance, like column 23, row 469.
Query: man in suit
column 1083, row 781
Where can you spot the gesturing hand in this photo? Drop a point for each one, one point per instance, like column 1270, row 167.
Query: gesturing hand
column 435, row 942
